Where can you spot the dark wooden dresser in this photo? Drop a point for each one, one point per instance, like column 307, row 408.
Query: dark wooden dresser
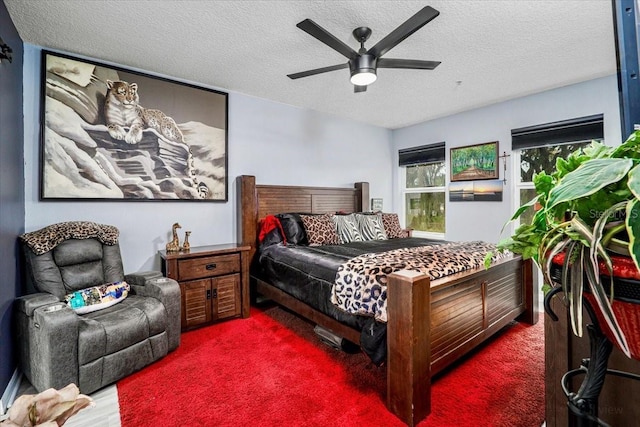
column 214, row 282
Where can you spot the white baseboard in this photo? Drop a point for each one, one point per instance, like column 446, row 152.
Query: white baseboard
column 10, row 392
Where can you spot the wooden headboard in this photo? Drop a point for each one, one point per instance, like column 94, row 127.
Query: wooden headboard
column 257, row 201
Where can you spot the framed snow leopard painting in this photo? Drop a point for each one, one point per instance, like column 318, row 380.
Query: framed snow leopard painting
column 108, row 133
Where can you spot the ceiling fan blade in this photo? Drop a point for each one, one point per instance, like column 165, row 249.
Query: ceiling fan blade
column 409, row 27
column 358, row 89
column 318, row 71
column 413, row 64
column 327, row 38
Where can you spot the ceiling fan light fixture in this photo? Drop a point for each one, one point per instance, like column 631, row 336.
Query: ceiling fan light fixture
column 363, row 70
column 363, row 77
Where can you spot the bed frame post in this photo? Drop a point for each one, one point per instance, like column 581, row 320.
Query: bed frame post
column 408, row 346
column 247, row 211
column 362, row 204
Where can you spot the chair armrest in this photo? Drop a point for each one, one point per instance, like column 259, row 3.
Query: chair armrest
column 47, row 340
column 167, row 291
column 28, row 303
column 140, row 278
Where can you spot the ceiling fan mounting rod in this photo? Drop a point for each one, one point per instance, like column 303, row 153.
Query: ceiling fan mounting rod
column 362, row 34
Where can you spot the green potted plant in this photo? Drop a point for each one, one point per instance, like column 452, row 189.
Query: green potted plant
column 587, row 224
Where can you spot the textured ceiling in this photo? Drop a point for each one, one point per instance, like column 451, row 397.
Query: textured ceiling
column 491, row 51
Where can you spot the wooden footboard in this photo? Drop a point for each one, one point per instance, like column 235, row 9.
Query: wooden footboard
column 431, row 324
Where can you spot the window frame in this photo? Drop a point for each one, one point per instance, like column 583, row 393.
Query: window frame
column 419, row 190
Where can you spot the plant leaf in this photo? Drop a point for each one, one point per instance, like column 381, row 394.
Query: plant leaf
column 578, row 230
column 628, row 149
column 632, row 221
column 520, row 211
column 597, row 247
column 633, row 181
column 547, row 257
column 590, row 177
column 523, row 208
column 607, row 312
column 575, row 287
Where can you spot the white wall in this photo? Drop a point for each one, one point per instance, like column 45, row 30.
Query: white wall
column 484, row 220
column 279, row 144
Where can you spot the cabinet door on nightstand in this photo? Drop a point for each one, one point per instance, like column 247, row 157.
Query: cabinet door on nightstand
column 196, row 302
column 227, row 303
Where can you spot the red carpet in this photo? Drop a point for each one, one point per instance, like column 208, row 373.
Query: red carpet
column 271, row 370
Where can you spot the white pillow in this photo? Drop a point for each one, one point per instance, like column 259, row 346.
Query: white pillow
column 97, row 297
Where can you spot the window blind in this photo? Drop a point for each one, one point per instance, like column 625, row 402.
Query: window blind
column 431, row 153
column 562, row 132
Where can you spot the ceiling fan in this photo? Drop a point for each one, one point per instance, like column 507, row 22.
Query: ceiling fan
column 364, row 63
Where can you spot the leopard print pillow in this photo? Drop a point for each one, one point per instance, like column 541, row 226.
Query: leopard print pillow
column 392, row 226
column 320, row 229
column 47, row 238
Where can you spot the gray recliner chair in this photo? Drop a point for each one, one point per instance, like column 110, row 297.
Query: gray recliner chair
column 58, row 346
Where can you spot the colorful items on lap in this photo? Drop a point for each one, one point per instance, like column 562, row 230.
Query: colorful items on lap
column 97, row 297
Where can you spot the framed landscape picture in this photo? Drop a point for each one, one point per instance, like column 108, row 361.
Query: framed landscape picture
column 109, row 133
column 474, row 162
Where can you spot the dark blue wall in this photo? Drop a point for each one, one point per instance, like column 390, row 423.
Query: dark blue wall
column 11, row 188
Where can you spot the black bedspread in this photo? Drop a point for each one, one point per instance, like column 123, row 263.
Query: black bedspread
column 308, row 273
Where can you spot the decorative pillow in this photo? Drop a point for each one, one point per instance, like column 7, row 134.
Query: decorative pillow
column 392, row 225
column 347, row 228
column 97, row 297
column 320, row 229
column 293, row 228
column 370, row 227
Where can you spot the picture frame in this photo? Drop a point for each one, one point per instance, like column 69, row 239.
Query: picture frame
column 476, row 191
column 376, row 205
column 111, row 133
column 474, row 162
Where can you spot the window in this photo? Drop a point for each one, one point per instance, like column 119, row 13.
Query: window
column 535, row 160
column 536, row 148
column 424, row 189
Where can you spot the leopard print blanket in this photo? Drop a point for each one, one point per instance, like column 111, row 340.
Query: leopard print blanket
column 47, row 238
column 361, row 283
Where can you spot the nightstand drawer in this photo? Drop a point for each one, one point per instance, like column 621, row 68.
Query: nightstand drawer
column 209, row 266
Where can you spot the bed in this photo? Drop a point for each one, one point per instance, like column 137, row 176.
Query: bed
column 430, row 323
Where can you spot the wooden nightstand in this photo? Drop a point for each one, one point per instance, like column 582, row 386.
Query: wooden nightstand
column 214, row 282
